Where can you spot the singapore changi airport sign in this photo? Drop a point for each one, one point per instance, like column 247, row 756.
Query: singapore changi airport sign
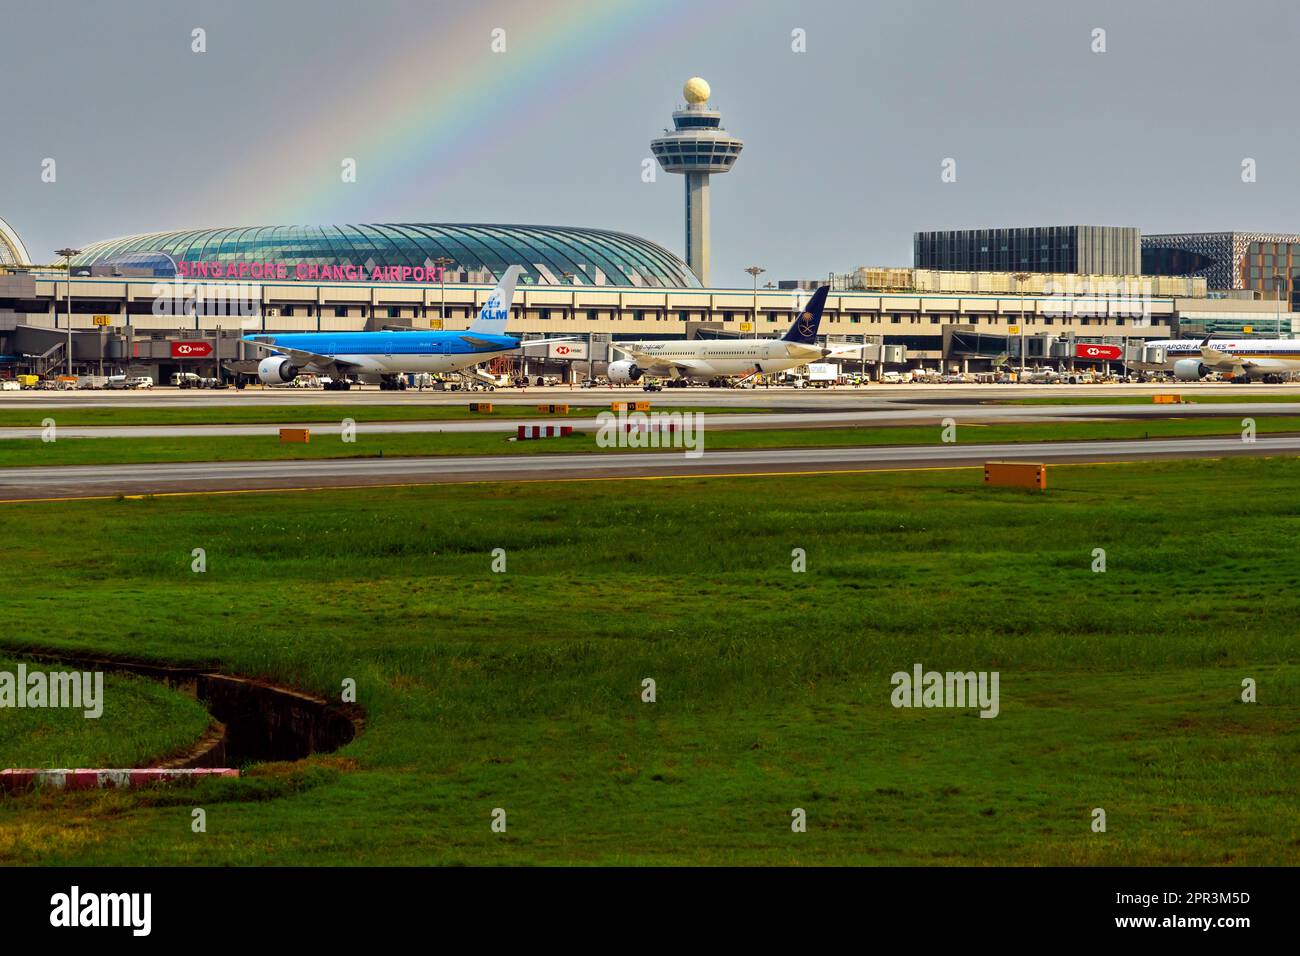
column 306, row 271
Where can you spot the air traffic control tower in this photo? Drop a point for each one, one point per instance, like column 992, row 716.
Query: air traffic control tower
column 697, row 146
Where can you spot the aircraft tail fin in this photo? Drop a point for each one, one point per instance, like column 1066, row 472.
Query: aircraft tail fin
column 495, row 313
column 804, row 329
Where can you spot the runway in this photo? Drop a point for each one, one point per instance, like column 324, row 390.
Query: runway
column 18, row 484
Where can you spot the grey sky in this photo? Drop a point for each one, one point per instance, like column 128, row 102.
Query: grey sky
column 843, row 143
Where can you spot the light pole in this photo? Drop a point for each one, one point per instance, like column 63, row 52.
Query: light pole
column 568, row 278
column 67, row 257
column 755, row 272
column 442, row 262
column 1021, row 279
column 1280, row 282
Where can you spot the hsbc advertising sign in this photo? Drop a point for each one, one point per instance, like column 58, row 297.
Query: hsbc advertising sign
column 567, row 350
column 191, row 350
column 1101, row 353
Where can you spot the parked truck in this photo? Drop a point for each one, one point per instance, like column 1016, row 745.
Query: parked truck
column 823, row 374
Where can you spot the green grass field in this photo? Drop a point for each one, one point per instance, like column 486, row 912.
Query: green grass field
column 141, row 719
column 521, row 690
column 23, row 453
column 31, row 416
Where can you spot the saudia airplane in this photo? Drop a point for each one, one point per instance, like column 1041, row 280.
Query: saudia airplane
column 347, row 355
column 679, row 360
column 1271, row 360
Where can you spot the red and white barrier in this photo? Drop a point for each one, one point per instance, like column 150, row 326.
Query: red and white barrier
column 16, row 780
column 543, row 431
column 649, row 427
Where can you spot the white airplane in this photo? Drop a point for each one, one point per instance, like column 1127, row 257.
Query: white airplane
column 679, row 360
column 366, row 355
column 1271, row 360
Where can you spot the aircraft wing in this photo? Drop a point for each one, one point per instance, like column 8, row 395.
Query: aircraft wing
column 535, row 342
column 486, row 346
column 678, row 366
column 478, row 343
column 839, row 350
column 1214, row 357
column 305, row 358
column 659, row 368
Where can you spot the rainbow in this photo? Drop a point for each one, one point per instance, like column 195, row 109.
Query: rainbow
column 441, row 94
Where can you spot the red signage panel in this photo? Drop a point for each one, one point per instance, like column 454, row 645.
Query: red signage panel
column 1107, row 353
column 194, row 350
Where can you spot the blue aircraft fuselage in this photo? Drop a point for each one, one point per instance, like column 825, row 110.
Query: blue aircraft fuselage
column 386, row 353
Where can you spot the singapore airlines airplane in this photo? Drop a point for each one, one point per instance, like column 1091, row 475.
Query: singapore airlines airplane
column 679, row 360
column 347, row 355
column 1271, row 360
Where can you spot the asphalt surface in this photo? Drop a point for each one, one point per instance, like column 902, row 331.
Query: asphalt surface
column 111, row 480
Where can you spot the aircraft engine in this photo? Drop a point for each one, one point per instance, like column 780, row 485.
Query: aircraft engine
column 276, row 370
column 623, row 373
column 1190, row 370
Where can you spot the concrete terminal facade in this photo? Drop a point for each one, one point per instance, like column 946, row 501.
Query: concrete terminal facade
column 130, row 312
column 133, row 320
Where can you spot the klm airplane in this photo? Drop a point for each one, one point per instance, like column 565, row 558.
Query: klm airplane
column 344, row 356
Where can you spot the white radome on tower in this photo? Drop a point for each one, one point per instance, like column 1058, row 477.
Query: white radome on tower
column 696, row 90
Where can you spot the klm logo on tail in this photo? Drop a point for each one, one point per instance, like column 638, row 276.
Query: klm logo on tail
column 493, row 316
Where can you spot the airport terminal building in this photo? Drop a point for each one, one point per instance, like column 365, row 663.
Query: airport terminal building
column 1266, row 264
column 165, row 302
column 1077, row 250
